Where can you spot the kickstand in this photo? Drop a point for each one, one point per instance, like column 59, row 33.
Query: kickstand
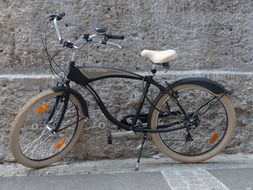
column 140, row 152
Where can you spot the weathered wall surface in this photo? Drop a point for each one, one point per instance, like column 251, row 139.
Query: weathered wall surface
column 213, row 36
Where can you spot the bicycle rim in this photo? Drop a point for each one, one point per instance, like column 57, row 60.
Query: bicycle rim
column 213, row 118
column 33, row 139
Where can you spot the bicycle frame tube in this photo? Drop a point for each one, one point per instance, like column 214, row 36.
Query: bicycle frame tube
column 85, row 75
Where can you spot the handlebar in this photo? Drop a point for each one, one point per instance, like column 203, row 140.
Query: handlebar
column 100, row 33
column 115, row 37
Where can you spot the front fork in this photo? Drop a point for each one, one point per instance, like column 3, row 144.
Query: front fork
column 64, row 98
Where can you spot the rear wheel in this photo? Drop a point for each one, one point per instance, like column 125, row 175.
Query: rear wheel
column 33, row 141
column 204, row 132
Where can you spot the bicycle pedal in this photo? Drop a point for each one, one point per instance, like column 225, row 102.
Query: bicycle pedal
column 109, row 137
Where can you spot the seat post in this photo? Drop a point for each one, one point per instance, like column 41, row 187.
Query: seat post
column 153, row 70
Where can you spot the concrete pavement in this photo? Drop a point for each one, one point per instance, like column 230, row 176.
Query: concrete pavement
column 224, row 172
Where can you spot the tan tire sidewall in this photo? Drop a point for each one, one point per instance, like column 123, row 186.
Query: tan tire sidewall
column 18, row 122
column 192, row 159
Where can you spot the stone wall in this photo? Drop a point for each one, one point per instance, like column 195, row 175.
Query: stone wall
column 213, row 39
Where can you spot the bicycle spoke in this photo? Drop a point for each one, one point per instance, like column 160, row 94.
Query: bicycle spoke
column 35, row 148
column 25, row 138
column 35, row 141
column 208, row 103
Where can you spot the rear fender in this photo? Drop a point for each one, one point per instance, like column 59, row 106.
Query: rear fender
column 211, row 85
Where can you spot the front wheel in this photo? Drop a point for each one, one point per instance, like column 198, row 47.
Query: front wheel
column 33, row 139
column 200, row 129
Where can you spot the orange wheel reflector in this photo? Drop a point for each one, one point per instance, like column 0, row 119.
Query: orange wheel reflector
column 214, row 138
column 60, row 144
column 42, row 108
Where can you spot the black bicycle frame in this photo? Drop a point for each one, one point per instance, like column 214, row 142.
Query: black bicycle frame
column 85, row 75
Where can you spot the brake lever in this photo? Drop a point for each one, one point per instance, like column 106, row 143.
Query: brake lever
column 111, row 43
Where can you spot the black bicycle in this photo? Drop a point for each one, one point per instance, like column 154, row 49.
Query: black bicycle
column 190, row 120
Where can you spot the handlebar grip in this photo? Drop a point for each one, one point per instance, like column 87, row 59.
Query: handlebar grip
column 58, row 17
column 115, row 37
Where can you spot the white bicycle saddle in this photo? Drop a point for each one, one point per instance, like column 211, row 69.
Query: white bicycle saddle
column 159, row 57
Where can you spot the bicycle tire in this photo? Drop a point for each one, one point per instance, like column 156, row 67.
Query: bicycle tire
column 32, row 121
column 184, row 148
